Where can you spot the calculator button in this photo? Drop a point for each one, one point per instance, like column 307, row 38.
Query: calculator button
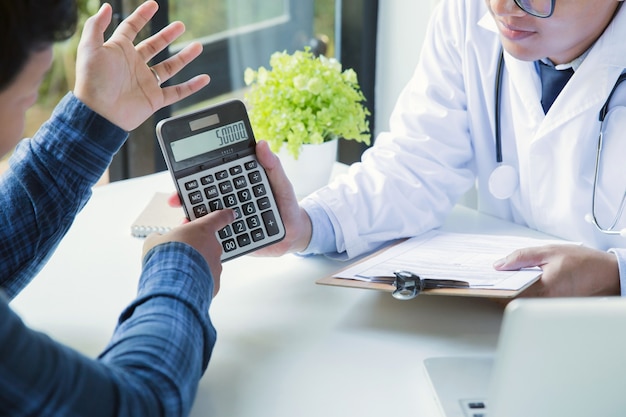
column 239, row 226
column 226, row 187
column 195, row 197
column 211, row 192
column 270, row 222
column 229, row 245
column 240, row 182
column 200, row 210
column 190, row 185
column 235, row 170
column 250, row 165
column 215, row 205
column 259, row 190
column 257, row 234
column 237, row 212
column 254, row 177
column 230, row 200
column 244, row 239
column 244, row 195
column 208, row 179
column 225, row 232
column 252, row 222
column 221, row 175
column 248, row 209
column 263, row 203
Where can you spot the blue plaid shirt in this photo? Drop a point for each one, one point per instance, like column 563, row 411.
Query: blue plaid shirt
column 163, row 340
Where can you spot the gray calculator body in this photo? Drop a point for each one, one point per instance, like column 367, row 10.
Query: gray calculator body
column 211, row 156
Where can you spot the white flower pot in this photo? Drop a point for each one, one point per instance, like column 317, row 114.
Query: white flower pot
column 312, row 169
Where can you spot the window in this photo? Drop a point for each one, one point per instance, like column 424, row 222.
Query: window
column 237, row 34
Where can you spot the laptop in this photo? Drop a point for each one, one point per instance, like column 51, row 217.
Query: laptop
column 559, row 357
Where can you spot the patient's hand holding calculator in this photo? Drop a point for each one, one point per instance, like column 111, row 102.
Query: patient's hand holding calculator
column 211, row 157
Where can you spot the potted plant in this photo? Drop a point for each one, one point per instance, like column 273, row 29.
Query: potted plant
column 304, row 100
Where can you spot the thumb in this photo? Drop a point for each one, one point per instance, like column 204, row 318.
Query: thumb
column 521, row 258
column 266, row 157
column 93, row 31
column 281, row 185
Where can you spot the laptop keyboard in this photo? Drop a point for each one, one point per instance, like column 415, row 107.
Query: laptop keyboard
column 474, row 407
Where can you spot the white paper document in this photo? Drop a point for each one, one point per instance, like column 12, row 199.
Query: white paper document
column 459, row 256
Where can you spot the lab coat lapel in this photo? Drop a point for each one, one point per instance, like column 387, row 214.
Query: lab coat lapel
column 593, row 80
column 526, row 86
column 586, row 90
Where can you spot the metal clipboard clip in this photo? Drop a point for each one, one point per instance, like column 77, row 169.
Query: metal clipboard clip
column 409, row 285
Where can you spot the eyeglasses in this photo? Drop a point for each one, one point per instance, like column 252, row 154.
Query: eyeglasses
column 537, row 8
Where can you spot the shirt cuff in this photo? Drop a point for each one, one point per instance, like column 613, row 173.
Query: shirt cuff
column 323, row 233
column 621, row 264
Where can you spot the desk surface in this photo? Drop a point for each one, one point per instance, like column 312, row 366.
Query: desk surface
column 286, row 346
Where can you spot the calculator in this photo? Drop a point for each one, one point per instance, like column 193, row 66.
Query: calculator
column 212, row 159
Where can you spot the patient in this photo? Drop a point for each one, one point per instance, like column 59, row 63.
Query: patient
column 164, row 338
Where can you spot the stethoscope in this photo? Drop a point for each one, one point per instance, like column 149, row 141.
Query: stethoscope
column 504, row 180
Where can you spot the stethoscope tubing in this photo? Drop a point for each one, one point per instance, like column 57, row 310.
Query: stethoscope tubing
column 499, row 159
column 603, row 113
column 498, row 101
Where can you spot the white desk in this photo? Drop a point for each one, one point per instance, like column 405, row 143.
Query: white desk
column 286, row 346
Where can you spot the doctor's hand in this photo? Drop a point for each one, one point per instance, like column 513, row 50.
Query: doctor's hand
column 113, row 77
column 568, row 270
column 201, row 235
column 297, row 222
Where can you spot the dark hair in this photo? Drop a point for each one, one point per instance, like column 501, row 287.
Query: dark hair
column 27, row 26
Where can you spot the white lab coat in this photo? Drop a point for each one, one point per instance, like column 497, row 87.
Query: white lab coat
column 441, row 142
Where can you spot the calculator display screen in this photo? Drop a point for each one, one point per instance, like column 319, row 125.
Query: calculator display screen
column 209, row 141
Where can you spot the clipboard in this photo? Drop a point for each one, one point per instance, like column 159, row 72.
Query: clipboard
column 386, row 256
column 461, row 292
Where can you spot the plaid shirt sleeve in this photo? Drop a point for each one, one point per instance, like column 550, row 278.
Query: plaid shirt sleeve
column 163, row 340
column 49, row 181
column 153, row 363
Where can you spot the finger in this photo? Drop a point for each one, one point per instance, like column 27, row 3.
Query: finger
column 151, row 46
column 95, row 26
column 217, row 220
column 522, row 258
column 174, row 200
column 177, row 92
column 133, row 24
column 171, row 66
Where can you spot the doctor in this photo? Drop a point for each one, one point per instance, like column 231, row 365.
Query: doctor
column 442, row 141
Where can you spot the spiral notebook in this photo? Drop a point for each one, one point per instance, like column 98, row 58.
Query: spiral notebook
column 157, row 217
